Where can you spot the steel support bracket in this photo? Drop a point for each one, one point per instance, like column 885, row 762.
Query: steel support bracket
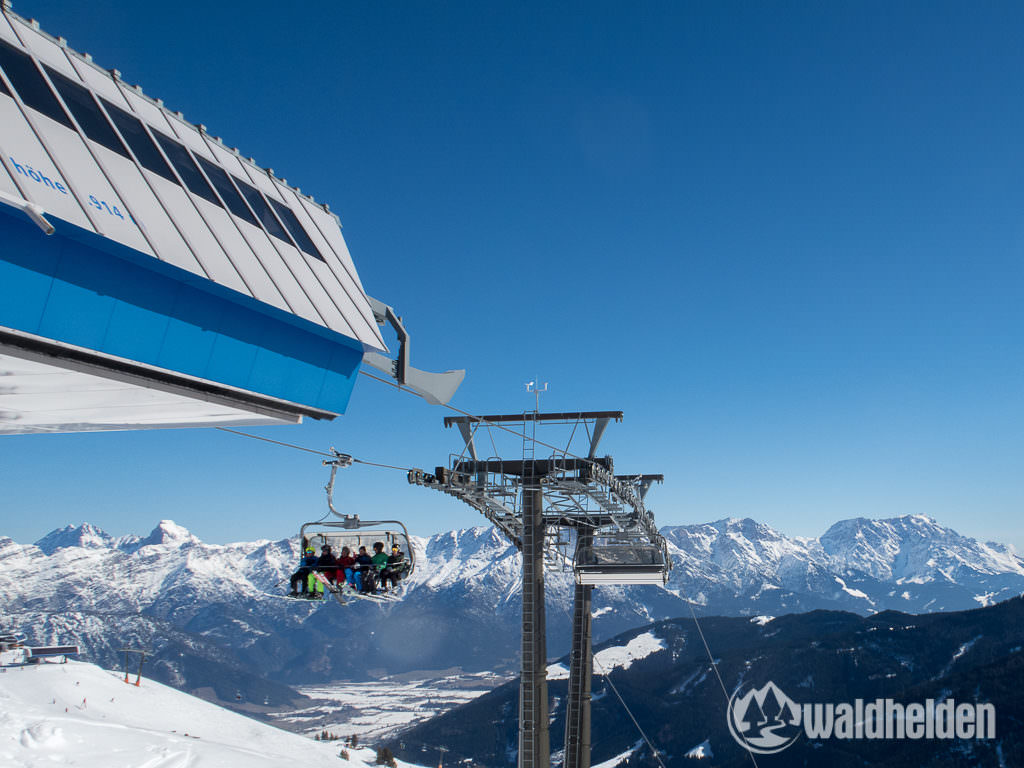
column 435, row 388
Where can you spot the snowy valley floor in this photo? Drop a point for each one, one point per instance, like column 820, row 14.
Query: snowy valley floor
column 77, row 714
column 374, row 711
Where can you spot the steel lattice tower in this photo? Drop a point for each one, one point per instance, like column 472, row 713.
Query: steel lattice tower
column 544, row 505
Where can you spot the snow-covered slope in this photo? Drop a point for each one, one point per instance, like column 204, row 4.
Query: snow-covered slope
column 78, row 714
column 206, row 612
column 615, row 657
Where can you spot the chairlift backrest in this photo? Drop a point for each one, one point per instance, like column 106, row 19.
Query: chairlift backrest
column 337, row 534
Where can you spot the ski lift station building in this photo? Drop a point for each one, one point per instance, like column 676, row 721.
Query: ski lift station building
column 151, row 276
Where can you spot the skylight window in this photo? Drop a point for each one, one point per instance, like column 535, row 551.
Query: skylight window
column 299, row 235
column 28, row 81
column 135, row 135
column 187, row 168
column 86, row 112
column 220, row 179
column 263, row 212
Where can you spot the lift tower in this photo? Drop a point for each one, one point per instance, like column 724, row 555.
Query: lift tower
column 546, row 504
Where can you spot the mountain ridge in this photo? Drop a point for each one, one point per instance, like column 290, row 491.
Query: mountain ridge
column 821, row 656
column 194, row 603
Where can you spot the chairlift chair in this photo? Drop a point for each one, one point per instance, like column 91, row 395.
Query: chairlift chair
column 349, row 531
column 353, row 533
column 622, row 559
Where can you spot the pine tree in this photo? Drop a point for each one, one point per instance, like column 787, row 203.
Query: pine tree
column 771, row 707
column 749, row 716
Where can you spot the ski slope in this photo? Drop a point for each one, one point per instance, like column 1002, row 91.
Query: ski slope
column 77, row 714
column 608, row 660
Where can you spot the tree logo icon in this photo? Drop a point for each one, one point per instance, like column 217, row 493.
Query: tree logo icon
column 763, row 720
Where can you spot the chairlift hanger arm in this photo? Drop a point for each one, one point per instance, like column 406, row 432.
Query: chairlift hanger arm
column 340, row 460
column 435, row 388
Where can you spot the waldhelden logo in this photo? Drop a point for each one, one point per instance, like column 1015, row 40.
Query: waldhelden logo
column 765, row 720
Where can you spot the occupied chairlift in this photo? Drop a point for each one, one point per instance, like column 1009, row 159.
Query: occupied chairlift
column 622, row 558
column 349, row 531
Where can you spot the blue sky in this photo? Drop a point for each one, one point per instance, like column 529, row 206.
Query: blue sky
column 785, row 239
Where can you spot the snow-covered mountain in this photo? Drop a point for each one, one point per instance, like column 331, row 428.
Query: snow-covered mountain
column 207, row 611
column 910, row 564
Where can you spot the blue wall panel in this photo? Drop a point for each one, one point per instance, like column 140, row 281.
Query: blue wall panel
column 274, row 371
column 340, row 375
column 85, row 290
column 186, row 345
column 134, row 332
column 23, row 295
column 24, row 306
column 76, row 315
column 231, row 361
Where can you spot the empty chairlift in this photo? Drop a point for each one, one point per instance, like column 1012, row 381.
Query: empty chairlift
column 622, row 559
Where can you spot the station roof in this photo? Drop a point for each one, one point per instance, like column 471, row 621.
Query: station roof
column 184, row 285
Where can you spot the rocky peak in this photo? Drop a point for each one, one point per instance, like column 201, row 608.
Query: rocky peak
column 168, row 532
column 84, row 535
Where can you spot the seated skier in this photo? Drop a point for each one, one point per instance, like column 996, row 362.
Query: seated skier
column 327, row 564
column 305, row 568
column 379, row 560
column 346, row 568
column 364, row 572
column 395, row 569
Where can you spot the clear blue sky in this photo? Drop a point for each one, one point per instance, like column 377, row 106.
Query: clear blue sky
column 785, row 238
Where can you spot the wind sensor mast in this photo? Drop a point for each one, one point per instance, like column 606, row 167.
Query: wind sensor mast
column 546, row 503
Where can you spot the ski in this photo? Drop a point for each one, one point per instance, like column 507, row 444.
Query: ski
column 347, row 591
column 341, row 593
column 300, row 598
column 334, row 590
